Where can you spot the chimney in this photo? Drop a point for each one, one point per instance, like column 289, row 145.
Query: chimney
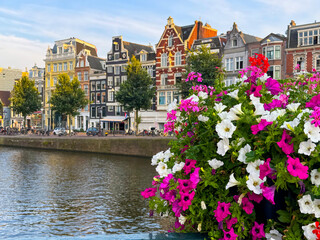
column 200, row 30
column 292, row 23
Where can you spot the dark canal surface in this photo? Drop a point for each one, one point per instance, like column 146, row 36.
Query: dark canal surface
column 62, row 195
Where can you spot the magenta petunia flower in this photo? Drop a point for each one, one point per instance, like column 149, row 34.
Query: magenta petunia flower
column 168, row 127
column 185, row 185
column 255, row 90
column 188, row 106
column 166, row 181
column 257, row 231
column 169, row 196
column 178, row 225
column 176, row 208
column 255, row 197
column 266, row 170
column 273, row 86
column 316, row 116
column 149, row 192
column 314, row 102
column 231, row 221
column 155, row 183
column 274, row 104
column 268, row 192
column 186, row 199
column 222, row 211
column 260, row 126
column 284, row 144
column 296, row 169
column 229, row 235
column 247, row 206
column 172, row 115
column 194, row 178
column 190, row 164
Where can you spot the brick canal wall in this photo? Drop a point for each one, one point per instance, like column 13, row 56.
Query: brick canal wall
column 131, row 146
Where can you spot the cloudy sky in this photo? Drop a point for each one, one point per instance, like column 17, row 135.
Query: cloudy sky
column 27, row 27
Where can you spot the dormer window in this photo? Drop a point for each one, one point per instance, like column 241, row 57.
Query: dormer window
column 234, row 43
column 143, row 57
column 116, row 46
column 170, row 39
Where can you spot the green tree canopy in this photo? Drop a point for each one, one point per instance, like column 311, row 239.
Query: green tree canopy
column 136, row 93
column 203, row 61
column 25, row 98
column 68, row 97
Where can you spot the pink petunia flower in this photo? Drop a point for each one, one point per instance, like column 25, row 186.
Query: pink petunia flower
column 149, row 192
column 255, row 197
column 247, row 206
column 296, row 169
column 186, row 199
column 268, row 192
column 231, row 221
column 185, row 185
column 257, row 231
column 222, row 211
column 229, row 235
column 274, row 104
column 284, row 144
column 266, row 170
column 273, row 86
column 255, row 90
column 260, row 126
column 316, row 116
column 176, row 208
column 190, row 164
column 314, row 102
column 194, row 178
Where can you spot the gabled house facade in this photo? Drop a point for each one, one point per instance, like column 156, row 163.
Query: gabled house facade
column 303, row 48
column 216, row 44
column 171, row 53
column 236, row 53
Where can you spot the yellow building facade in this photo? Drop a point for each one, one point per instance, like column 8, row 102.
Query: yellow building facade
column 62, row 58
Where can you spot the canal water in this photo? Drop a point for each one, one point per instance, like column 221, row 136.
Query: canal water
column 62, row 195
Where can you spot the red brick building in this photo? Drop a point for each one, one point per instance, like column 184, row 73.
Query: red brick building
column 171, row 57
column 303, row 47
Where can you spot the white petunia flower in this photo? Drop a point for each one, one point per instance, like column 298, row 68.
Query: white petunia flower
column 232, row 116
column 312, row 132
column 236, row 109
column 199, row 227
column 202, row 118
column 255, row 100
column 178, row 167
column 260, row 111
column 274, row 235
column 242, row 153
column 306, row 204
column 163, row 170
column 244, row 78
column 232, row 182
column 223, row 146
column 234, row 94
column 219, row 107
column 253, row 168
column 167, row 155
column 156, row 158
column 316, row 205
column 264, row 77
column 307, row 231
column 306, row 148
column 194, row 98
column 295, row 122
column 315, row 177
column 203, row 205
column 253, row 183
column 182, row 219
column 223, row 115
column 203, row 95
column 173, row 106
column 293, row 107
column 225, row 129
column 215, row 164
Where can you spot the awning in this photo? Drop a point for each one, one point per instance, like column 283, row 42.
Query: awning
column 114, row 119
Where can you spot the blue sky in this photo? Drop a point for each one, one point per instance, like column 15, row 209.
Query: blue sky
column 27, row 28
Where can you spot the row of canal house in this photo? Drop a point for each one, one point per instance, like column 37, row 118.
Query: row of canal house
column 101, row 78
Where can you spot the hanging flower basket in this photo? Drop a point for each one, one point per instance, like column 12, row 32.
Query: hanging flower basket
column 245, row 164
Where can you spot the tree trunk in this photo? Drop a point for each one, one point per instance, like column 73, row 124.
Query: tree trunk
column 136, row 121
column 69, row 125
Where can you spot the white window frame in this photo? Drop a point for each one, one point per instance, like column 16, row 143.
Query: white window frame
column 164, row 60
column 143, row 57
column 164, row 79
column 178, row 59
column 170, row 41
column 238, row 60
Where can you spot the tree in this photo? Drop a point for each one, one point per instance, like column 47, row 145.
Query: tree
column 136, row 93
column 68, row 97
column 25, row 98
column 203, row 61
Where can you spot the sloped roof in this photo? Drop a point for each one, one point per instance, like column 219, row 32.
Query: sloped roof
column 134, row 48
column 184, row 31
column 250, row 38
column 95, row 62
column 217, row 41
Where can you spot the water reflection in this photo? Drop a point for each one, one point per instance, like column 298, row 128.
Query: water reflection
column 45, row 193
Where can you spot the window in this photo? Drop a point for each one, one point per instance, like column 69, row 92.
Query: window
column 277, row 52
column 270, row 52
column 234, row 43
column 117, row 81
column 176, row 95
column 86, row 108
column 93, row 97
column 123, row 78
column 270, row 71
column 164, row 79
column 103, row 99
column 93, row 86
column 239, row 63
column 49, row 68
column 98, row 97
column 254, row 51
column 81, row 63
column 60, row 67
column 143, row 57
column 301, row 63
column 65, row 66
column 110, row 81
column 177, row 77
column 178, row 59
column 55, row 67
column 70, row 65
column 116, row 56
column 118, row 112
column 85, row 76
column 48, row 82
column 109, row 69
column 79, row 76
column 110, row 96
column 162, row 98
column 123, row 68
column 229, row 64
column 117, row 70
column 54, row 80
column 164, row 60
column 98, row 85
column 116, row 46
column 110, row 108
column 309, row 37
column 150, row 71
column 170, row 41
column 318, row 62
column 103, row 85
column 93, row 112
column 86, row 88
column 169, row 99
column 277, row 72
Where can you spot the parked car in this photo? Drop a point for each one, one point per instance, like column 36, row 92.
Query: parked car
column 92, row 131
column 59, row 131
